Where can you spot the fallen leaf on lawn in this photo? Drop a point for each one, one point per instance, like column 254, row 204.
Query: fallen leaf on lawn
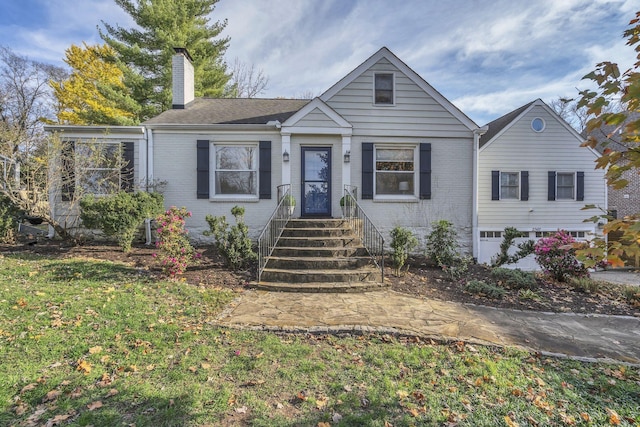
column 241, row 410
column 279, row 405
column 28, row 387
column 510, row 422
column 94, row 405
column 193, row 369
column 150, row 367
column 539, row 381
column 58, row 419
column 387, row 424
column 52, row 395
column 323, row 424
column 302, row 395
column 95, row 350
column 84, row 366
column 76, row 393
column 402, row 394
column 585, row 416
column 205, row 365
column 414, row 412
column 21, row 409
column 321, row 403
column 336, row 418
column 614, row 418
column 112, row 392
column 105, row 359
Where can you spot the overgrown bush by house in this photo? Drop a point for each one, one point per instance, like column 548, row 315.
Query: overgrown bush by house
column 557, row 257
column 514, row 279
column 403, row 241
column 442, row 244
column 232, row 242
column 8, row 220
column 119, row 215
column 483, row 288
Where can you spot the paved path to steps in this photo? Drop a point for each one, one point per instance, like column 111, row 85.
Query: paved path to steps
column 579, row 336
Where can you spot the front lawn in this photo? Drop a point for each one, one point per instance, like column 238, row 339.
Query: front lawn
column 89, row 342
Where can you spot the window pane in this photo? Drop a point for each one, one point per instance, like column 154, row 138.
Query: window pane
column 98, row 155
column 99, row 181
column 565, row 179
column 394, row 183
column 394, row 154
column 238, row 158
column 316, row 166
column 565, row 186
column 509, row 178
column 509, row 185
column 383, row 89
column 236, row 182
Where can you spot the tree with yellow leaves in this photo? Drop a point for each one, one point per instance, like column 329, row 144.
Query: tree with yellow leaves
column 95, row 92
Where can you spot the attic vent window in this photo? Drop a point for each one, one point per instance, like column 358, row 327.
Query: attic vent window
column 383, row 89
column 537, row 124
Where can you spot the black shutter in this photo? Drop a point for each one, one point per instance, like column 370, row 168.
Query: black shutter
column 580, row 186
column 202, row 187
column 68, row 170
column 126, row 173
column 551, row 185
column 524, row 185
column 367, row 170
column 495, row 185
column 425, row 170
column 265, row 170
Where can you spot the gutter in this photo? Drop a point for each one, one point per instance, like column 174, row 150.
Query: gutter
column 477, row 133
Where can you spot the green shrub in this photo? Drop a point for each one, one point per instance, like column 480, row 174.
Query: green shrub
column 403, row 242
column 632, row 295
column 585, row 284
column 442, row 243
column 514, row 279
column 458, row 269
column 233, row 242
column 528, row 294
column 119, row 215
column 8, row 220
column 524, row 248
column 483, row 288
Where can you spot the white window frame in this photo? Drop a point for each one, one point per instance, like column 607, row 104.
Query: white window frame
column 416, row 172
column 393, row 89
column 81, row 171
column 574, row 186
column 517, row 185
column 214, row 170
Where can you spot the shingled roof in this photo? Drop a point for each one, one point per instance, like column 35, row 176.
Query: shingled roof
column 501, row 122
column 203, row 111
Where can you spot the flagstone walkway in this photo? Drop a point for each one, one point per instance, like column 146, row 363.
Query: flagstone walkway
column 589, row 337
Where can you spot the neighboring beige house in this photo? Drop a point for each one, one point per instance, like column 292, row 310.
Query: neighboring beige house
column 411, row 154
column 534, row 175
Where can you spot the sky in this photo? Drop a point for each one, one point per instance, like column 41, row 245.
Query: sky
column 487, row 57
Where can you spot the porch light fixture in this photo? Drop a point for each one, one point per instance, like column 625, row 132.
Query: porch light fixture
column 285, row 156
column 347, row 156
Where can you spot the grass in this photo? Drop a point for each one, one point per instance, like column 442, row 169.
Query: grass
column 85, row 342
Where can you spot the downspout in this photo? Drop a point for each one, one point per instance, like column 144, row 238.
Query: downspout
column 148, row 179
column 475, row 235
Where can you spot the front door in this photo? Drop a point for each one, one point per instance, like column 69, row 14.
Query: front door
column 316, row 181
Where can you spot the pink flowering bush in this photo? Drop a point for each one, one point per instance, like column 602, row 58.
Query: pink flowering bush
column 175, row 253
column 557, row 256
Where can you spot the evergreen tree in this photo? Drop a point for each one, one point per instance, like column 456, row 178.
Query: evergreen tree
column 147, row 49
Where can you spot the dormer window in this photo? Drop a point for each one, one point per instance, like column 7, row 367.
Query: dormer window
column 383, row 89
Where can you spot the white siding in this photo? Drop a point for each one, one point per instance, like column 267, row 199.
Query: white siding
column 415, row 113
column 316, row 118
column 519, row 148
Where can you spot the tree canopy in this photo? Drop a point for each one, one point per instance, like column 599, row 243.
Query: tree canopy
column 95, row 92
column 623, row 88
column 147, row 49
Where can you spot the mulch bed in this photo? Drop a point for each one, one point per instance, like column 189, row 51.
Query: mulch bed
column 421, row 280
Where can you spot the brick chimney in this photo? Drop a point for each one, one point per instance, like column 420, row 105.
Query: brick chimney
column 183, row 80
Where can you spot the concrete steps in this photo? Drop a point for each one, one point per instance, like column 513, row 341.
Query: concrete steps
column 319, row 255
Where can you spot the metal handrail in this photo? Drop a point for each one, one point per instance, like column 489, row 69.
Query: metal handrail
column 363, row 227
column 273, row 230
